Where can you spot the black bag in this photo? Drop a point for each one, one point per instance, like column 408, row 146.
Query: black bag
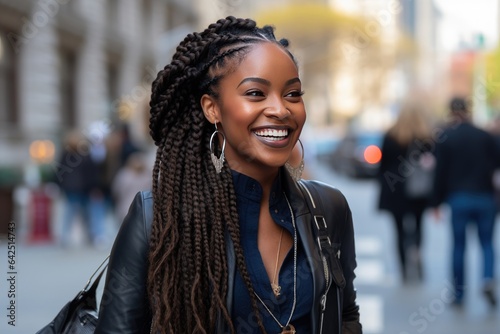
column 420, row 181
column 78, row 316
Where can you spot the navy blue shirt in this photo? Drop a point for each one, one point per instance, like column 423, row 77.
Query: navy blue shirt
column 249, row 195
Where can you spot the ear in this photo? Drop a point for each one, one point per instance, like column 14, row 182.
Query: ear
column 210, row 108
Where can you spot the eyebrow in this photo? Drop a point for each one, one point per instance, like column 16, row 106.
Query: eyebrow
column 267, row 82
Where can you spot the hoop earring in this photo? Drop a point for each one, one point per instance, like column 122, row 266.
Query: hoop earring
column 296, row 172
column 218, row 162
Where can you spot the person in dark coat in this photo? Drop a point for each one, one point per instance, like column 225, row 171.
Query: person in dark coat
column 494, row 129
column 466, row 160
column 77, row 175
column 402, row 148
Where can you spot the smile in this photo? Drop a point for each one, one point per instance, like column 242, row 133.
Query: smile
column 272, row 134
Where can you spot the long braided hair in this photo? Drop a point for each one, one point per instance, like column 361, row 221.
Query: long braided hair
column 193, row 206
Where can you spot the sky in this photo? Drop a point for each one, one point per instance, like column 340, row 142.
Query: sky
column 462, row 19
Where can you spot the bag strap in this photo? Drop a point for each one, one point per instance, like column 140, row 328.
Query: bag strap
column 330, row 250
column 103, row 265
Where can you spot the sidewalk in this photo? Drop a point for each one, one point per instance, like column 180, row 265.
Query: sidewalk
column 45, row 276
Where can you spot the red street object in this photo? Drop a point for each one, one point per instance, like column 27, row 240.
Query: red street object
column 41, row 213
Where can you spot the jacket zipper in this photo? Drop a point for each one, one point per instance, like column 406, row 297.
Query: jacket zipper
column 339, row 314
column 324, row 297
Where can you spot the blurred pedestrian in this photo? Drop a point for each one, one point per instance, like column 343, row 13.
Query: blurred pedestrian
column 98, row 194
column 128, row 146
column 76, row 174
column 135, row 176
column 466, row 159
column 494, row 129
column 405, row 177
column 113, row 163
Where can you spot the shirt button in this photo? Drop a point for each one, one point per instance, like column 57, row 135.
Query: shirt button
column 275, row 210
column 282, row 221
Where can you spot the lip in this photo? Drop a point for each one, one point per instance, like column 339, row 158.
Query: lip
column 274, row 143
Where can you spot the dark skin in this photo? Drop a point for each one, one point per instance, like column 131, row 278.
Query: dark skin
column 259, row 100
column 268, row 240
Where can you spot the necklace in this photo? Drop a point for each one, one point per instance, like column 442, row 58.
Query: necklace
column 287, row 328
column 274, row 285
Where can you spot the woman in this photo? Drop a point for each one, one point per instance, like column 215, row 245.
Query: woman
column 406, row 152
column 221, row 244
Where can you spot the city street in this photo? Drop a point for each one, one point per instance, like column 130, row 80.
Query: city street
column 46, row 276
column 95, row 93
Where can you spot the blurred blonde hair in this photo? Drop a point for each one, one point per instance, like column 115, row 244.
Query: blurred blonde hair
column 73, row 139
column 413, row 122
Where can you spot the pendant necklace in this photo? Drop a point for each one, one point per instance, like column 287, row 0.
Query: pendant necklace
column 274, row 285
column 287, row 328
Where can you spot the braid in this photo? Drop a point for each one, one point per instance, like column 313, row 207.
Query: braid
column 194, row 209
column 240, row 259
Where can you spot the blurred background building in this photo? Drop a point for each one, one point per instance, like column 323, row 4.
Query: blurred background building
column 88, row 65
column 67, row 64
column 76, row 64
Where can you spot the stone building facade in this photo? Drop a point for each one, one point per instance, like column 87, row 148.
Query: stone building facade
column 65, row 64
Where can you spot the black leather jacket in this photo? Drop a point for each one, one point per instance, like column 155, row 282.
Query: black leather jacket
column 125, row 308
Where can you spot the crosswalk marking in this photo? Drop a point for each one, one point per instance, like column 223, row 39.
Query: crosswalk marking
column 370, row 268
column 372, row 313
column 370, row 272
column 366, row 245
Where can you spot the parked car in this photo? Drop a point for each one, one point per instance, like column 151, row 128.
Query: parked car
column 358, row 154
column 323, row 149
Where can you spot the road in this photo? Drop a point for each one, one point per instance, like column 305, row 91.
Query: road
column 46, row 276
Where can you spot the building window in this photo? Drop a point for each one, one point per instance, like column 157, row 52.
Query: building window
column 112, row 14
column 67, row 72
column 112, row 68
column 147, row 11
column 8, row 83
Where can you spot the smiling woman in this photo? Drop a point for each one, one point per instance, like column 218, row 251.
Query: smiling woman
column 225, row 242
column 259, row 110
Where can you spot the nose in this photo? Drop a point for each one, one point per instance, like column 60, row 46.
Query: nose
column 277, row 109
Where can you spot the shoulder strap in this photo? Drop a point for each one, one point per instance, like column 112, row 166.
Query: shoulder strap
column 90, row 290
column 103, row 265
column 329, row 248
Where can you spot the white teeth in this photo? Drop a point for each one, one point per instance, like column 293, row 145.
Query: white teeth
column 272, row 134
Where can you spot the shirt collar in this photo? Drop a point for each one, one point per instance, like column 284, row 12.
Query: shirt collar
column 249, row 188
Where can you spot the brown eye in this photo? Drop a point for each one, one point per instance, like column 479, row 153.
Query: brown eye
column 256, row 93
column 295, row 93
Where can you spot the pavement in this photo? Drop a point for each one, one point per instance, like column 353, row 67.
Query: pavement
column 44, row 275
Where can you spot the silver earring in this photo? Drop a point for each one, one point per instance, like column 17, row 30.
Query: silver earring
column 296, row 172
column 218, row 162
